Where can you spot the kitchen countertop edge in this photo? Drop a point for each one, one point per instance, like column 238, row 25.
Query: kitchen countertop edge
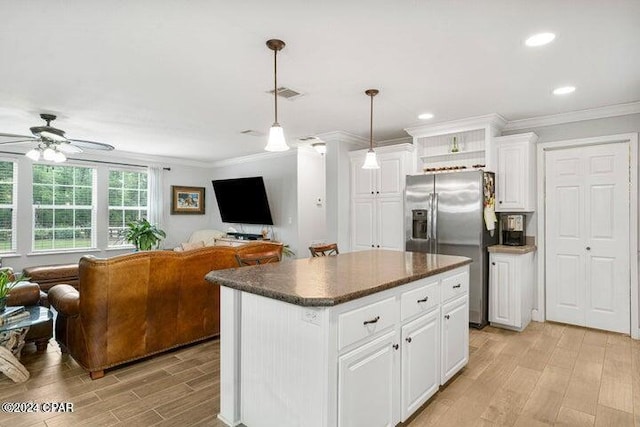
column 329, row 302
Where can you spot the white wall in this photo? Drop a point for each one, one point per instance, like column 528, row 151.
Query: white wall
column 311, row 200
column 279, row 172
column 178, row 227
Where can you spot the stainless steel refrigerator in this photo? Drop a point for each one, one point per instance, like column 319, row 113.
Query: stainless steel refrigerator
column 444, row 214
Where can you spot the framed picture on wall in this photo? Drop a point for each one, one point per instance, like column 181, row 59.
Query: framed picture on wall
column 187, row 200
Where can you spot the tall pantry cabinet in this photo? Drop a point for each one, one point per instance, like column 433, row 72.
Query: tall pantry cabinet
column 377, row 198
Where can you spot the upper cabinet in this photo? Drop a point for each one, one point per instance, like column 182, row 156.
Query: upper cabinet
column 516, row 172
column 457, row 145
column 386, row 181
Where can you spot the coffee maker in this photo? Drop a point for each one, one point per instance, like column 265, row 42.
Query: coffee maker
column 513, row 229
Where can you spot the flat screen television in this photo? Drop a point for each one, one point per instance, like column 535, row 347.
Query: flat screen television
column 243, row 200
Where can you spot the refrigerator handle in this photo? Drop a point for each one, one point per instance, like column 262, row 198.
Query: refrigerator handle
column 434, row 208
column 429, row 206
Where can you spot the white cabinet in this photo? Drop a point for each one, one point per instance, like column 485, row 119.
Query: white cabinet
column 377, row 199
column 511, row 289
column 366, row 382
column 420, row 361
column 455, row 337
column 516, row 173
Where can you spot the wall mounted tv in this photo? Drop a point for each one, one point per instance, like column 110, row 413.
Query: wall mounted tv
column 243, row 200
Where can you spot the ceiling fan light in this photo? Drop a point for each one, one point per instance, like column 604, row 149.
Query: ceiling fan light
column 371, row 161
column 276, row 139
column 49, row 154
column 59, row 157
column 33, row 154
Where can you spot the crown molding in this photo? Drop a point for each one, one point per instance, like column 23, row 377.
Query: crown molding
column 408, row 147
column 344, row 137
column 395, row 141
column 489, row 121
column 253, row 158
column 575, row 116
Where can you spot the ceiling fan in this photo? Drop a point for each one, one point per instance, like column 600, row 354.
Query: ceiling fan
column 52, row 142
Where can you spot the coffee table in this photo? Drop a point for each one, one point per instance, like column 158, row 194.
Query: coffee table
column 12, row 340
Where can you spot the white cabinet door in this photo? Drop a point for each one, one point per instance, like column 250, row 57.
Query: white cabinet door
column 420, row 361
column 363, row 224
column 510, row 191
column 389, row 223
column 390, row 177
column 362, row 180
column 455, row 337
column 502, row 291
column 587, row 236
column 367, row 384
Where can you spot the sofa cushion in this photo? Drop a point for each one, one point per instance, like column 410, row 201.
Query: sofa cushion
column 187, row 246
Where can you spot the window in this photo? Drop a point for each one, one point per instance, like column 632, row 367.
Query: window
column 127, row 202
column 7, row 206
column 63, row 210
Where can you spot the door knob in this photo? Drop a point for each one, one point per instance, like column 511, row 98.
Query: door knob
column 588, row 248
column 395, row 346
column 446, row 316
column 409, row 339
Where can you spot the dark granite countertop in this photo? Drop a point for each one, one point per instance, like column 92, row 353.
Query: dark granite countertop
column 332, row 280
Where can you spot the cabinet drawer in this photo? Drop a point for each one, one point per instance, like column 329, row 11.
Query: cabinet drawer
column 419, row 300
column 455, row 285
column 366, row 321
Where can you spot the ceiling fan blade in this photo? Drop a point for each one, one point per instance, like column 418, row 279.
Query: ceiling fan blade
column 12, row 135
column 67, row 148
column 18, row 141
column 91, row 144
column 9, row 138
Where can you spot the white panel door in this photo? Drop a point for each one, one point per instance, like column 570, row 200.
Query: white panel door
column 366, row 382
column 420, row 361
column 502, row 292
column 362, row 180
column 390, row 223
column 390, row 177
column 363, row 224
column 455, row 337
column 511, row 188
column 587, row 235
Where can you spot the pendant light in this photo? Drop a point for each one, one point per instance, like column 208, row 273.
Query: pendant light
column 371, row 162
column 276, row 134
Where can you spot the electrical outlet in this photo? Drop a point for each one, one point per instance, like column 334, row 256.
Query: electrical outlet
column 311, row 315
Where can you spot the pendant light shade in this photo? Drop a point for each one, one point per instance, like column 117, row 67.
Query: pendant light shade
column 371, row 161
column 276, row 141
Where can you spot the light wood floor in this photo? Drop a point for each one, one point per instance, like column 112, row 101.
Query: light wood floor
column 548, row 375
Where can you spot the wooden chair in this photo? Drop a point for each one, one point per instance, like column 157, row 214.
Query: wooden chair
column 324, row 250
column 258, row 258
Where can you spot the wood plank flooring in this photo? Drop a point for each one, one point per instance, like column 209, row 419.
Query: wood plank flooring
column 550, row 374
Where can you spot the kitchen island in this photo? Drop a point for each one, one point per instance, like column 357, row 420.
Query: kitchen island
column 359, row 339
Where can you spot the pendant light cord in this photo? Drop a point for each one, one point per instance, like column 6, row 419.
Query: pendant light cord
column 371, row 126
column 275, row 83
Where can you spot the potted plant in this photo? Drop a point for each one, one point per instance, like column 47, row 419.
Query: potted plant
column 8, row 281
column 144, row 235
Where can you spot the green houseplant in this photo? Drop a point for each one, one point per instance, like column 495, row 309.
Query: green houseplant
column 144, row 235
column 8, row 281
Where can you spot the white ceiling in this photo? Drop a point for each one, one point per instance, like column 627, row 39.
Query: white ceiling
column 184, row 78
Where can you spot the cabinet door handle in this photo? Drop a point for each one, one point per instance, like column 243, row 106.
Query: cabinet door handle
column 373, row 246
column 588, row 248
column 374, row 320
column 425, row 299
column 409, row 340
column 378, row 246
column 500, row 202
column 457, row 286
column 396, row 346
column 446, row 316
column 493, row 263
column 372, row 193
column 377, row 192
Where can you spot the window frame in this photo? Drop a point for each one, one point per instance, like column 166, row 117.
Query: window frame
column 93, row 209
column 122, row 208
column 13, row 206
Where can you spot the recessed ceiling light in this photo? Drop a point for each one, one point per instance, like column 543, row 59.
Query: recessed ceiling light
column 425, row 116
column 540, row 39
column 564, row 90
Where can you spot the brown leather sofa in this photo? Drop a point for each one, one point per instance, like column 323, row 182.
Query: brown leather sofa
column 136, row 305
column 27, row 294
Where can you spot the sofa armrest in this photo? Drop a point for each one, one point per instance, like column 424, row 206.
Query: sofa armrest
column 24, row 293
column 65, row 299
